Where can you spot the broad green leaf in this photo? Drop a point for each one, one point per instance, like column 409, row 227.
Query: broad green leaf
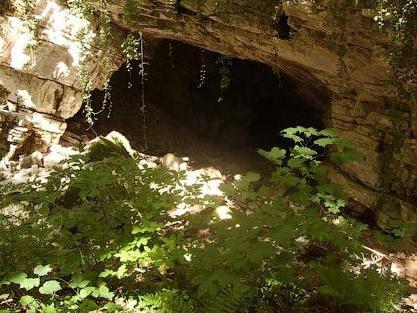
column 304, row 151
column 78, row 281
column 310, row 131
column 291, row 133
column 111, row 307
column 30, row 283
column 288, row 133
column 4, row 296
column 247, row 179
column 146, row 226
column 106, row 273
column 26, row 300
column 328, row 132
column 17, row 278
column 50, row 287
column 90, row 306
column 324, row 142
column 42, row 270
column 275, row 155
column 49, row 309
column 103, row 292
column 142, row 241
column 295, row 163
column 85, row 292
column 121, row 272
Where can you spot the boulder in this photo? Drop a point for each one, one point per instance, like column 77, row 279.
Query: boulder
column 56, row 155
column 114, row 144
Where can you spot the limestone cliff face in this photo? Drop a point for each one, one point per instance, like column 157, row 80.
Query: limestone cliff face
column 40, row 75
column 39, row 62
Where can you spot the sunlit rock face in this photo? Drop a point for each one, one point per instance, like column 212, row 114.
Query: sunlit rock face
column 42, row 77
column 39, row 62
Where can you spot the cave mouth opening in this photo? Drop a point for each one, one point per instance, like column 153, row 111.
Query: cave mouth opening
column 205, row 105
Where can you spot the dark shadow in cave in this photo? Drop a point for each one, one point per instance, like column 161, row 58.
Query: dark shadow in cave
column 256, row 106
column 283, row 27
column 184, row 114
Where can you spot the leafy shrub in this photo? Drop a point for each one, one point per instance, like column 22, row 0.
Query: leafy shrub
column 293, row 237
column 98, row 236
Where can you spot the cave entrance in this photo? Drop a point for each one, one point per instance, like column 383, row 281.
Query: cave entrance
column 215, row 109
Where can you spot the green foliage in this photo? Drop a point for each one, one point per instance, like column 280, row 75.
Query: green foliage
column 132, row 49
column 85, row 11
column 132, row 52
column 23, row 9
column 364, row 291
column 301, row 169
column 166, row 301
column 273, row 234
column 104, row 44
column 399, row 17
column 229, row 300
column 129, row 10
column 98, row 236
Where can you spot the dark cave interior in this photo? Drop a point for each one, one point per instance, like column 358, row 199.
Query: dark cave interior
column 187, row 108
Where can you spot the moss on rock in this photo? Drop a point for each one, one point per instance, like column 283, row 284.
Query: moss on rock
column 114, row 144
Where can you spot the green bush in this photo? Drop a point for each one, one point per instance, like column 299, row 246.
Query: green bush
column 98, row 236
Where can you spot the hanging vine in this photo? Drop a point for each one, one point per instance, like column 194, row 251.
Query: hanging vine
column 84, row 40
column 133, row 50
column 225, row 63
column 105, row 37
column 203, row 70
column 276, row 70
column 171, row 54
column 142, row 75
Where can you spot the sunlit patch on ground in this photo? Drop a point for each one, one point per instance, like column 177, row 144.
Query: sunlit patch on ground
column 402, row 265
column 224, row 212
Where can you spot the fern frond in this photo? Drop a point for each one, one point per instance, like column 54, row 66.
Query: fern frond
column 230, row 300
column 166, row 301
